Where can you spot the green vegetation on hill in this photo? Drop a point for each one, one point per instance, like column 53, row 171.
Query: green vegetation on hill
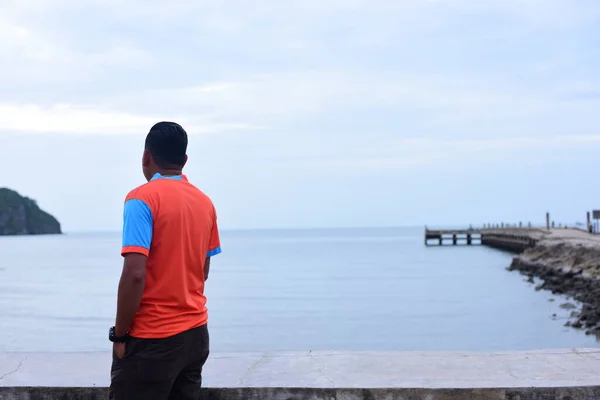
column 21, row 216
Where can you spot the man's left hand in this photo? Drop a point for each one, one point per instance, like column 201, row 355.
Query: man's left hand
column 119, row 350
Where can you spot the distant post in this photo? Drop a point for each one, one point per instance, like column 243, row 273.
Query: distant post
column 589, row 222
column 548, row 220
column 595, row 217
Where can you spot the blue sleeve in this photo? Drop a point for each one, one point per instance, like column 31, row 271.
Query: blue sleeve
column 137, row 226
column 214, row 252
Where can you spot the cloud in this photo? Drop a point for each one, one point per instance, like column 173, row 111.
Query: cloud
column 36, row 52
column 413, row 152
column 507, row 143
column 449, row 101
column 296, row 94
column 71, row 119
column 550, row 11
column 375, row 157
column 580, row 91
column 372, row 164
column 237, row 65
column 302, row 102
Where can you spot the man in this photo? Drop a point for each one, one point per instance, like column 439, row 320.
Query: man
column 169, row 234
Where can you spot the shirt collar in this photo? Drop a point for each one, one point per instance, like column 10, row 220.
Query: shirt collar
column 181, row 177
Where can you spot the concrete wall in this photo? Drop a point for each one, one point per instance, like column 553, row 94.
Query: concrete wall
column 561, row 374
column 324, row 394
column 508, row 242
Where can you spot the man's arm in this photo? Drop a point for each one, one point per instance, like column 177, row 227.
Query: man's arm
column 206, row 268
column 137, row 237
column 214, row 248
column 131, row 288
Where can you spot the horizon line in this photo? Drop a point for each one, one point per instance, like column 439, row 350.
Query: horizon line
column 322, row 228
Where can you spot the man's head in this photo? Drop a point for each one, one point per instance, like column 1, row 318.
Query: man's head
column 165, row 150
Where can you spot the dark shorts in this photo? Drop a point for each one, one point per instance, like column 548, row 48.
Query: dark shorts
column 161, row 369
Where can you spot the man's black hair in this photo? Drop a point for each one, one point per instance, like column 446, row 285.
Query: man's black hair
column 167, row 143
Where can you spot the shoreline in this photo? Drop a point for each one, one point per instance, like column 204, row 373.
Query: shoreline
column 568, row 263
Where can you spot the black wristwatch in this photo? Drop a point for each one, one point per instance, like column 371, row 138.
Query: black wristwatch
column 117, row 339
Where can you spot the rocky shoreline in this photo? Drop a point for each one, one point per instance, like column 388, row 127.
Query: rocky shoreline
column 567, row 268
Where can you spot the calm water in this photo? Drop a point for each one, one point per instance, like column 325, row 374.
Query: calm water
column 361, row 289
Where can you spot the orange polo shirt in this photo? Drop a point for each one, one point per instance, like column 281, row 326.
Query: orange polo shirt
column 174, row 224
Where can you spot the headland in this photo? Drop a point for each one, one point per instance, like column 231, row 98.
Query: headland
column 21, row 215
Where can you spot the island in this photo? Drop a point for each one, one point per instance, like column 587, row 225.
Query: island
column 21, row 215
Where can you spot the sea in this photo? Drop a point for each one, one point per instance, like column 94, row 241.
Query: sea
column 287, row 290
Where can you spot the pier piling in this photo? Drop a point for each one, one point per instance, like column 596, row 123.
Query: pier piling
column 510, row 239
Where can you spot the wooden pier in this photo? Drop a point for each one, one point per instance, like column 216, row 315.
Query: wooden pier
column 513, row 237
column 513, row 240
column 465, row 236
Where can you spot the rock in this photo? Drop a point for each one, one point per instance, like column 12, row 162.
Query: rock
column 566, row 269
column 21, row 216
column 568, row 306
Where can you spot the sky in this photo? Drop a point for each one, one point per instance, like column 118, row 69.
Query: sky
column 306, row 113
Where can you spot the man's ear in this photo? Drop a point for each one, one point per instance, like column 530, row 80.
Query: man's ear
column 185, row 160
column 146, row 158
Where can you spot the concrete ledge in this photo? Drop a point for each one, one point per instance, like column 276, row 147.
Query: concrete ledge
column 588, row 393
column 542, row 374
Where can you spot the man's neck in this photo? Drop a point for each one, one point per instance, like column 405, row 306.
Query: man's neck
column 170, row 172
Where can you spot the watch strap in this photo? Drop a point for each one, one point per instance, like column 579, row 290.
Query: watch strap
column 117, row 339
